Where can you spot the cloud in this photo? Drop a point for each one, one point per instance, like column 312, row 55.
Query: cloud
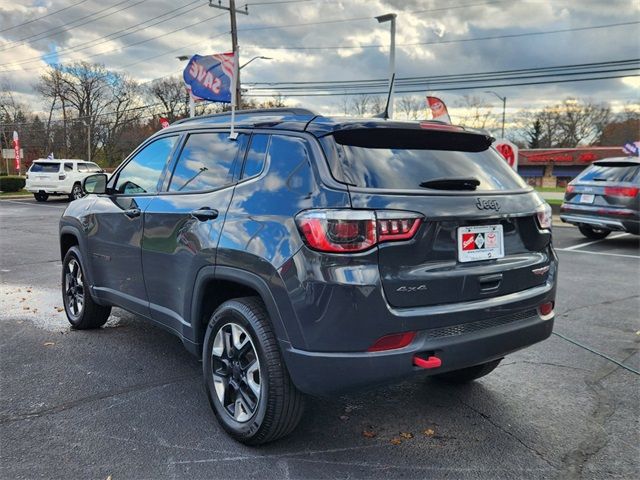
column 435, row 21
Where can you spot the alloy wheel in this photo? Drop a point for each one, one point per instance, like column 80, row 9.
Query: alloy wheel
column 74, row 288
column 236, row 372
column 76, row 192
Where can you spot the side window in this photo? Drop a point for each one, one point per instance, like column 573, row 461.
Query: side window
column 93, row 167
column 206, row 163
column 256, row 156
column 82, row 168
column 68, row 167
column 142, row 173
column 289, row 159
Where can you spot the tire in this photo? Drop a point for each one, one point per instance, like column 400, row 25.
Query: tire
column 469, row 374
column 82, row 312
column 239, row 335
column 76, row 192
column 593, row 233
column 41, row 196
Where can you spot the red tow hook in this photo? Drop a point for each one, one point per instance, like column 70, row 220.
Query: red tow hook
column 431, row 362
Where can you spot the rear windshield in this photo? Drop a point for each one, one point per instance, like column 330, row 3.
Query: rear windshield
column 45, row 167
column 610, row 173
column 405, row 165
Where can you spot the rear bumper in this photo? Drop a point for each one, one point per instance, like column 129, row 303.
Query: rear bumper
column 322, row 373
column 51, row 190
column 609, row 223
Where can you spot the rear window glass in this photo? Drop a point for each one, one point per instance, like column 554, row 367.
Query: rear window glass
column 606, row 173
column 45, row 167
column 399, row 165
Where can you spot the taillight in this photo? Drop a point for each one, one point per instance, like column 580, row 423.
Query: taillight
column 570, row 189
column 545, row 218
column 621, row 191
column 392, row 342
column 348, row 231
column 394, row 226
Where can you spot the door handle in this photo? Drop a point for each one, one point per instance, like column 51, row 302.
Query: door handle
column 205, row 213
column 132, row 212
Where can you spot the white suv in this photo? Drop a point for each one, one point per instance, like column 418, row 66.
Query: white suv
column 58, row 177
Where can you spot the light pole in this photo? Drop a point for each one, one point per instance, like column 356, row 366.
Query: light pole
column 254, row 58
column 504, row 107
column 390, row 17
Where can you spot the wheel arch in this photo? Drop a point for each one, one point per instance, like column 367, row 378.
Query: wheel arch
column 215, row 285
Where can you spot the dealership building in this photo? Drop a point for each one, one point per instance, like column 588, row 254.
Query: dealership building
column 555, row 167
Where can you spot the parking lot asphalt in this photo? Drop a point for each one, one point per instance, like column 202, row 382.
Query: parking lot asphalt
column 126, row 401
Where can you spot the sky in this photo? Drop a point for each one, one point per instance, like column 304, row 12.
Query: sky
column 143, row 38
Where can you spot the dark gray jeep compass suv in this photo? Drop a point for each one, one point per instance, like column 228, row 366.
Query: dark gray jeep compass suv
column 312, row 255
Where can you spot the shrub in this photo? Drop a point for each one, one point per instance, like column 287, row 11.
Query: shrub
column 11, row 183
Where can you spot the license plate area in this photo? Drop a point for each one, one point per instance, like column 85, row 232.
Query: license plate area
column 587, row 198
column 477, row 243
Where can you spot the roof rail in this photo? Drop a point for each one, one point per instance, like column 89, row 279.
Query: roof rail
column 253, row 113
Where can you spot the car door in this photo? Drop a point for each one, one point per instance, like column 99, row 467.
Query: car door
column 116, row 224
column 182, row 225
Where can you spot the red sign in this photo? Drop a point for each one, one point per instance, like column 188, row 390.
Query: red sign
column 509, row 152
column 16, row 149
column 164, row 123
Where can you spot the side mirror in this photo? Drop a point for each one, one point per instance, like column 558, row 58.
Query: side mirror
column 96, row 183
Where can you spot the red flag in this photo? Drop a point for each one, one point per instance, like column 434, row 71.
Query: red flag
column 16, row 149
column 164, row 123
column 438, row 109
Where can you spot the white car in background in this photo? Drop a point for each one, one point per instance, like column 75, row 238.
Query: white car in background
column 58, row 177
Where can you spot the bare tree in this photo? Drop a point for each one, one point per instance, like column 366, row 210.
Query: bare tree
column 361, row 104
column 476, row 112
column 173, row 96
column 411, row 106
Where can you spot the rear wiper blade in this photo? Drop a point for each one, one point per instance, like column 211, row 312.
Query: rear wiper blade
column 452, row 183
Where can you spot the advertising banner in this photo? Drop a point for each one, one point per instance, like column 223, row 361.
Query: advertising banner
column 210, row 77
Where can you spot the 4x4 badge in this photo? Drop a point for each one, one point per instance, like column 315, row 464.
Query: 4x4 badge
column 487, row 204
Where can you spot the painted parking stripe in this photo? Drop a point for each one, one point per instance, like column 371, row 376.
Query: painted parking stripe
column 33, row 204
column 593, row 242
column 597, row 253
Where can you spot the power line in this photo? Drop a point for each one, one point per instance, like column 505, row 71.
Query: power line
column 428, row 83
column 43, row 16
column 441, row 42
column 114, row 35
column 475, row 87
column 457, row 75
column 59, row 28
column 131, row 44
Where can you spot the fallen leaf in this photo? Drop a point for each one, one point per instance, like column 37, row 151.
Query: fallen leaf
column 369, row 434
column 48, row 344
column 396, row 441
column 108, row 478
column 25, row 308
column 60, row 309
column 406, row 435
column 28, row 291
column 429, row 432
column 344, row 418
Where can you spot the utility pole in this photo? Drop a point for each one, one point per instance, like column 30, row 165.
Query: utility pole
column 234, row 40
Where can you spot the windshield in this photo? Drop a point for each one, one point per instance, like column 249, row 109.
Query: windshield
column 401, row 166
column 45, row 167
